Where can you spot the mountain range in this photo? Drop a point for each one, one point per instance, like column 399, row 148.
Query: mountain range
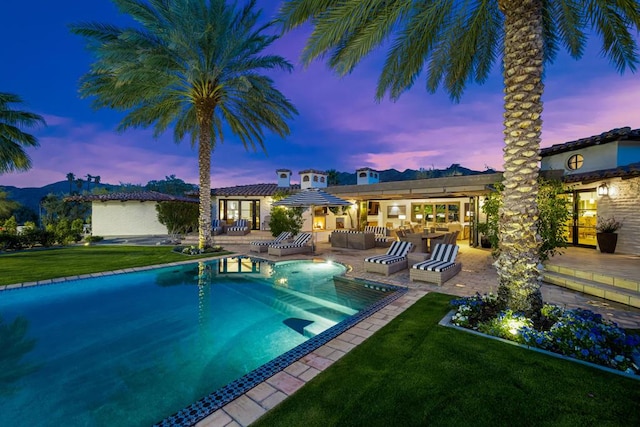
column 30, row 196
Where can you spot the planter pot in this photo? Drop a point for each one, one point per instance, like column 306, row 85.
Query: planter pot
column 485, row 242
column 607, row 242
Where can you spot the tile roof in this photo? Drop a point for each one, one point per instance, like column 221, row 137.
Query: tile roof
column 628, row 171
column 251, row 190
column 139, row 196
column 613, row 135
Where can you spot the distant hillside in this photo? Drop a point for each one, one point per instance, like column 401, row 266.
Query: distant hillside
column 390, row 175
column 31, row 196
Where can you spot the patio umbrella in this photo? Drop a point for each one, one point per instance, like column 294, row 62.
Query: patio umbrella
column 310, row 198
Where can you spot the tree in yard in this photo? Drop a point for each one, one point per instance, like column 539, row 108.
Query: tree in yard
column 12, row 138
column 71, row 178
column 455, row 43
column 193, row 65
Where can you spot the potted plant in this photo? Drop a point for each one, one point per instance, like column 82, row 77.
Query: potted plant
column 606, row 234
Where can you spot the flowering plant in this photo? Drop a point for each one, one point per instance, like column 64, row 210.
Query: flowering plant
column 608, row 225
column 580, row 334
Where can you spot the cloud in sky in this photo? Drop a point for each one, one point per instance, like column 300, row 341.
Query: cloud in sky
column 340, row 125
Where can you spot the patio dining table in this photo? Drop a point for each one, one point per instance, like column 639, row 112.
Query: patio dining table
column 427, row 237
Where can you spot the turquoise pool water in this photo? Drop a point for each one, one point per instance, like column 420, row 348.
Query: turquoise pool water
column 131, row 349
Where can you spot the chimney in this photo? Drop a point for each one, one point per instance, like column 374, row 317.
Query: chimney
column 312, row 178
column 367, row 176
column 284, row 178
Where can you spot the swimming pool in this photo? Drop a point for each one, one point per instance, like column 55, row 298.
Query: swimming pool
column 135, row 348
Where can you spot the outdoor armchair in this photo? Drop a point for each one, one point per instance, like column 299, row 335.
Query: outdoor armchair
column 441, row 267
column 394, row 260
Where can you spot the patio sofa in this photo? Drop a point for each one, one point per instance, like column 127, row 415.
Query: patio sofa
column 239, row 228
column 352, row 239
column 382, row 238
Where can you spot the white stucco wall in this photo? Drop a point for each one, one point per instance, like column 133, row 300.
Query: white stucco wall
column 132, row 218
column 596, row 157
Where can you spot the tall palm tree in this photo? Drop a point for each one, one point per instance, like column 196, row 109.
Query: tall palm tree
column 12, row 138
column 71, row 178
column 455, row 42
column 193, row 65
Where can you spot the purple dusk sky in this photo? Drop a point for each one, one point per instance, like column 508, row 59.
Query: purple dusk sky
column 340, row 125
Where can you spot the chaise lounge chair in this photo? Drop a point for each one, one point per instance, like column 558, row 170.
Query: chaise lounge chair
column 263, row 245
column 239, row 228
column 394, row 260
column 299, row 246
column 439, row 268
column 218, row 227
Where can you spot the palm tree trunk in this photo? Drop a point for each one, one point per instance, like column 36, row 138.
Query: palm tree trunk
column 518, row 261
column 204, row 168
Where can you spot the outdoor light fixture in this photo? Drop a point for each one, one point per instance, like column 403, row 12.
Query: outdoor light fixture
column 603, row 190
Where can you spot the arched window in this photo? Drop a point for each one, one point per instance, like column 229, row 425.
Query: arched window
column 283, row 175
column 322, row 179
column 315, row 178
column 575, row 162
column 305, row 178
column 363, row 174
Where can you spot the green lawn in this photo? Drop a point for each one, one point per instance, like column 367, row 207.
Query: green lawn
column 33, row 265
column 416, row 373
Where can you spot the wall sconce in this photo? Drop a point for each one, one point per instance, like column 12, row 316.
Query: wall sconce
column 603, row 190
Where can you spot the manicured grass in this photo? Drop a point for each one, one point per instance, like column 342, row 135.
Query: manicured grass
column 29, row 266
column 416, row 373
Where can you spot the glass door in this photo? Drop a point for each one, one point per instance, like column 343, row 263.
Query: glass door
column 586, row 210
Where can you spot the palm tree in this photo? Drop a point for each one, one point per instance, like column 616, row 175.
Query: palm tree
column 70, row 177
column 456, row 42
column 192, row 65
column 12, row 138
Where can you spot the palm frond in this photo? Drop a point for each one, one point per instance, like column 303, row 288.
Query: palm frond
column 612, row 20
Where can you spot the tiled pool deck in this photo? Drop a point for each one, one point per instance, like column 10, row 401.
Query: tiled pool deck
column 477, row 275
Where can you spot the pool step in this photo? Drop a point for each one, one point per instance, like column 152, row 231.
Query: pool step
column 622, row 290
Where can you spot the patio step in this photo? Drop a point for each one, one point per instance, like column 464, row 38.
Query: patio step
column 612, row 288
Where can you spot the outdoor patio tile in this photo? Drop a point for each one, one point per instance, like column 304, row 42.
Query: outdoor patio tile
column 318, row 362
column 325, row 350
column 340, row 345
column 217, row 419
column 285, row 382
column 244, row 410
column 309, row 374
column 273, row 400
column 14, row 286
column 335, row 355
column 297, row 368
column 261, row 392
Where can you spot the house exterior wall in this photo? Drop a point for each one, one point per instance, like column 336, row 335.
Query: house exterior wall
column 628, row 152
column 130, row 218
column 622, row 204
column 596, row 157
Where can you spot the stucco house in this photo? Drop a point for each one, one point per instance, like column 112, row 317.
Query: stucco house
column 127, row 214
column 602, row 177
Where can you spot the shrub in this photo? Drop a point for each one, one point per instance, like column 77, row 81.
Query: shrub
column 578, row 333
